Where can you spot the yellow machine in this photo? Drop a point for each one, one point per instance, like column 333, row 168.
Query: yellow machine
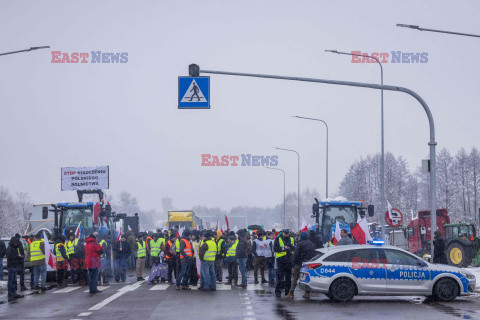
column 184, row 219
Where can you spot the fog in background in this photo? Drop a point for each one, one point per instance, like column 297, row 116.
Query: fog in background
column 126, row 116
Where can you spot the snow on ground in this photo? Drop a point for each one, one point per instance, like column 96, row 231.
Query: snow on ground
column 476, row 272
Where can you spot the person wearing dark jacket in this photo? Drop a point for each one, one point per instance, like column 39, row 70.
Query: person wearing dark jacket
column 21, row 270
column 122, row 254
column 186, row 256
column 93, row 261
column 304, row 251
column 439, row 246
column 242, row 255
column 3, row 251
column 316, row 239
column 283, row 248
column 14, row 262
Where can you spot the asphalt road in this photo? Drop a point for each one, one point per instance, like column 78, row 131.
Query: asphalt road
column 135, row 300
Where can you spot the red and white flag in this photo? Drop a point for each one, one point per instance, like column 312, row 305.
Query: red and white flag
column 337, row 235
column 119, row 235
column 226, row 221
column 389, row 208
column 77, row 232
column 217, row 227
column 96, row 212
column 50, row 258
column 360, row 231
column 305, row 225
column 412, row 217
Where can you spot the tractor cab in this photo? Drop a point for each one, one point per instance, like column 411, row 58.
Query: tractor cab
column 464, row 231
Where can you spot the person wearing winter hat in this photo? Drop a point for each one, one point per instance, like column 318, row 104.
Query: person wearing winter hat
column 304, row 251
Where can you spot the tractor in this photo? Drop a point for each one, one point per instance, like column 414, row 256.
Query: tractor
column 462, row 244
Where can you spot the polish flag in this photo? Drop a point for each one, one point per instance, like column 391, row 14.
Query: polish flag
column 96, row 212
column 337, row 236
column 360, row 231
column 305, row 225
column 217, row 227
column 50, row 258
column 77, row 232
column 198, row 264
column 119, row 235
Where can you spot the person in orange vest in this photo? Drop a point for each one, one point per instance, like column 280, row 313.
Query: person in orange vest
column 186, row 257
column 172, row 265
column 148, row 263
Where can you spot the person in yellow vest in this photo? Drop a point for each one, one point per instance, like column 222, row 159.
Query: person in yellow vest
column 70, row 247
column 283, row 248
column 141, row 248
column 186, row 256
column 157, row 245
column 37, row 261
column 232, row 265
column 207, row 254
column 219, row 258
column 62, row 261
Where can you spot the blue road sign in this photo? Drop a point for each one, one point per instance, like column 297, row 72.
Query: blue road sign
column 193, row 92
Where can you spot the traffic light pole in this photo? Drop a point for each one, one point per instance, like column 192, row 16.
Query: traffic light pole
column 194, row 71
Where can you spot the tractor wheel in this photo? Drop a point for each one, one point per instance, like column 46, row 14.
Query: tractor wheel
column 458, row 255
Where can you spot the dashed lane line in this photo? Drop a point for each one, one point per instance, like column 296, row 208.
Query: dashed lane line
column 66, row 290
column 159, row 287
column 84, row 314
column 99, row 288
column 117, row 295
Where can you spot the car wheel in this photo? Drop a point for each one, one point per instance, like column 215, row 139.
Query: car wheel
column 342, row 290
column 445, row 290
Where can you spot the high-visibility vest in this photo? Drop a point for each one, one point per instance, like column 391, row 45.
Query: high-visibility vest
column 103, row 243
column 71, row 247
column 188, row 249
column 232, row 251
column 35, row 251
column 156, row 247
column 280, row 242
column 211, row 252
column 142, row 250
column 57, row 252
column 177, row 245
column 219, row 246
column 168, row 253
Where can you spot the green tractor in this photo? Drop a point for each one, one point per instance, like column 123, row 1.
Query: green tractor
column 462, row 244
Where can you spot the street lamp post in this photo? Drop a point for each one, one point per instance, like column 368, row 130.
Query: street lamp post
column 284, row 220
column 382, row 143
column 24, row 50
column 326, row 173
column 298, row 185
column 194, row 70
column 411, row 26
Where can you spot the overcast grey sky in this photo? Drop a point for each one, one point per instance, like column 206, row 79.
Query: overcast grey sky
column 126, row 116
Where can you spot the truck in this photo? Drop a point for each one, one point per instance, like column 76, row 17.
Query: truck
column 184, row 219
column 327, row 213
column 418, row 231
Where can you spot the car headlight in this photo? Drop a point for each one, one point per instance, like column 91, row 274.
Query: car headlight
column 469, row 276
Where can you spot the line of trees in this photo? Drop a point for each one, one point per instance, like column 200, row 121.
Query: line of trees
column 458, row 184
column 14, row 212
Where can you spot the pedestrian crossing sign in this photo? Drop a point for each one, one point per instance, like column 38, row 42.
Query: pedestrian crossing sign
column 193, row 92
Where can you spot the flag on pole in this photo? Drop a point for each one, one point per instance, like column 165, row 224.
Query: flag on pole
column 304, row 224
column 360, row 231
column 50, row 258
column 78, row 231
column 226, row 221
column 337, row 235
column 412, row 217
column 389, row 208
column 119, row 235
column 96, row 212
column 217, row 227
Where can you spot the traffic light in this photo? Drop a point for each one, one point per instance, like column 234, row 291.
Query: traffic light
column 194, row 70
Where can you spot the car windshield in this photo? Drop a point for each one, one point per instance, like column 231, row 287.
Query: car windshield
column 74, row 216
column 181, row 224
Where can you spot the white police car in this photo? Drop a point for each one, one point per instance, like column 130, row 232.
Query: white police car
column 341, row 272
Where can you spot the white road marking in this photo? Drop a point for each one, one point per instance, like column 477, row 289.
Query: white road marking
column 117, row 295
column 66, row 290
column 159, row 287
column 246, row 302
column 84, row 314
column 249, row 318
column 249, row 313
column 256, row 287
column 248, row 307
column 224, row 287
column 99, row 288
